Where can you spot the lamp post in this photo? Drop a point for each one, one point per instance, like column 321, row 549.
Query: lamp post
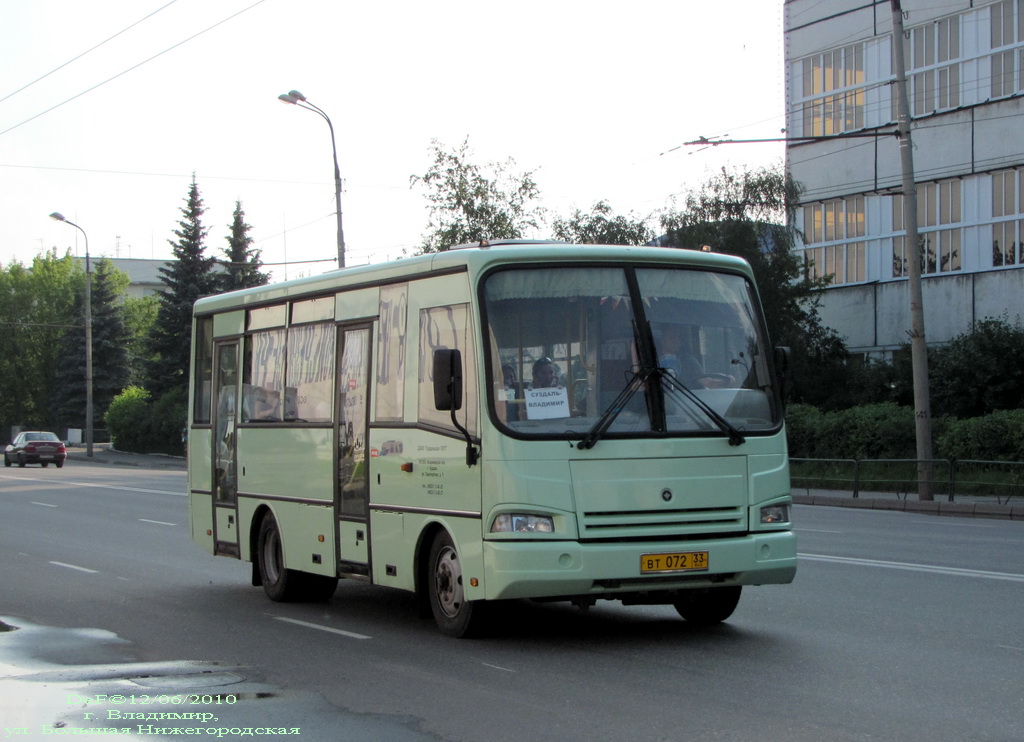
column 295, row 98
column 88, row 334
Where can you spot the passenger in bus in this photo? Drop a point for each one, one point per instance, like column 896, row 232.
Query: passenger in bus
column 513, row 391
column 545, row 374
column 260, row 405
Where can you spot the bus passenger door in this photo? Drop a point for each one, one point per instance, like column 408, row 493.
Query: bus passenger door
column 225, row 463
column 351, row 435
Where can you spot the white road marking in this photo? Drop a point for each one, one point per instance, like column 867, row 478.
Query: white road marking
column 956, row 571
column 72, row 566
column 43, row 504
column 66, row 483
column 297, row 622
column 496, row 667
column 158, row 522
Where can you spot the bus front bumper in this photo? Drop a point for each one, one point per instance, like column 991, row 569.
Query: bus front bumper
column 552, row 569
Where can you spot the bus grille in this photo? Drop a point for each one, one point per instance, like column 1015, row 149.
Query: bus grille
column 676, row 523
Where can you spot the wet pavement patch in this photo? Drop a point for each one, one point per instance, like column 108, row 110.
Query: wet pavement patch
column 57, row 682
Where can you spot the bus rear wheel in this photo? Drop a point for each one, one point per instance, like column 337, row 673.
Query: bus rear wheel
column 286, row 585
column 711, row 606
column 454, row 615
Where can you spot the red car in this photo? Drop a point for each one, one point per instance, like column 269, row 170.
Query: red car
column 35, row 447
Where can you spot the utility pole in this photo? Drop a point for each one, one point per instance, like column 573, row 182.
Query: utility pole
column 912, row 256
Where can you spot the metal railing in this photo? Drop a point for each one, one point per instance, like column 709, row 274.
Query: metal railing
column 949, row 478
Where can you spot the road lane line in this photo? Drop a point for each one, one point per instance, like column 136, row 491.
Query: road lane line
column 955, row 571
column 297, row 622
column 498, row 667
column 158, row 522
column 65, row 483
column 80, row 569
column 43, row 504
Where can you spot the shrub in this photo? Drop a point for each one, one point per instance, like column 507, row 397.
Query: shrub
column 877, row 431
column 804, row 424
column 995, row 437
column 138, row 424
column 126, row 419
column 168, row 418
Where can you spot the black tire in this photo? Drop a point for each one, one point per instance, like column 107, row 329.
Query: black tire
column 454, row 615
column 7, row 461
column 286, row 585
column 711, row 606
column 45, row 464
column 21, row 461
column 60, row 464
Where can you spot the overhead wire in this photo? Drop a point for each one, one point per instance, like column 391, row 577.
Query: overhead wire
column 133, row 67
column 87, row 51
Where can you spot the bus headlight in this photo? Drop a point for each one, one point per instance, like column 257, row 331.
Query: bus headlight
column 775, row 514
column 522, row 523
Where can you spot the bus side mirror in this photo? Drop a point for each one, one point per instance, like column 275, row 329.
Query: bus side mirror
column 447, row 379
column 782, row 371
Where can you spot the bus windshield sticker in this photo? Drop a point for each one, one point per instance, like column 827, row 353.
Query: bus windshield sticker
column 547, row 404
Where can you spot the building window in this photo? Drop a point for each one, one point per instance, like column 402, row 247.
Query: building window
column 934, row 51
column 833, row 91
column 1007, row 30
column 1007, row 209
column 840, row 222
column 938, row 219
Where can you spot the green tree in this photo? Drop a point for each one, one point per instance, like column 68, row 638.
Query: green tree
column 109, row 350
column 750, row 214
column 37, row 307
column 601, row 227
column 979, row 372
column 188, row 278
column 139, row 318
column 469, row 203
column 243, row 260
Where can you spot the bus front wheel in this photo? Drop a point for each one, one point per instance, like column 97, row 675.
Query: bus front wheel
column 711, row 606
column 454, row 615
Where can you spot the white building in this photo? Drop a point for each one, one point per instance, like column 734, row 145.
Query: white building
column 965, row 70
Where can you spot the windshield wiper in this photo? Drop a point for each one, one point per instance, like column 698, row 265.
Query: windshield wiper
column 735, row 436
column 635, row 383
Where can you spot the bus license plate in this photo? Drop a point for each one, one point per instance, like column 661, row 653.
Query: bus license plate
column 686, row 561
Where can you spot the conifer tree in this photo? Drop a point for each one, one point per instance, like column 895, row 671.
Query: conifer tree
column 188, row 278
column 243, row 266
column 110, row 368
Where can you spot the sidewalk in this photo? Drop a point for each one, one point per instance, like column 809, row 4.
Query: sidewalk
column 102, row 453
column 964, row 507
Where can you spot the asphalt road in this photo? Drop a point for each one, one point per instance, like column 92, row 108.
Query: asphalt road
column 898, row 627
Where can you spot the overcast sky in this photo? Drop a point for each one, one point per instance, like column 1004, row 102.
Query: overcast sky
column 596, row 97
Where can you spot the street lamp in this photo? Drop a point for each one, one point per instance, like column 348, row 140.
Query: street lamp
column 88, row 334
column 295, row 98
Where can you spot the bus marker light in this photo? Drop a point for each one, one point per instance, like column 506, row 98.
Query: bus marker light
column 474, row 582
column 320, row 538
column 407, row 466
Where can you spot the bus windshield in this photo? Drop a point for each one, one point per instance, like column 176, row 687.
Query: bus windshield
column 589, row 352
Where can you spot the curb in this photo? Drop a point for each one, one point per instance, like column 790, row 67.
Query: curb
column 113, row 457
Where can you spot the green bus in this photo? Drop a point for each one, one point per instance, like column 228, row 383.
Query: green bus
column 508, row 420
